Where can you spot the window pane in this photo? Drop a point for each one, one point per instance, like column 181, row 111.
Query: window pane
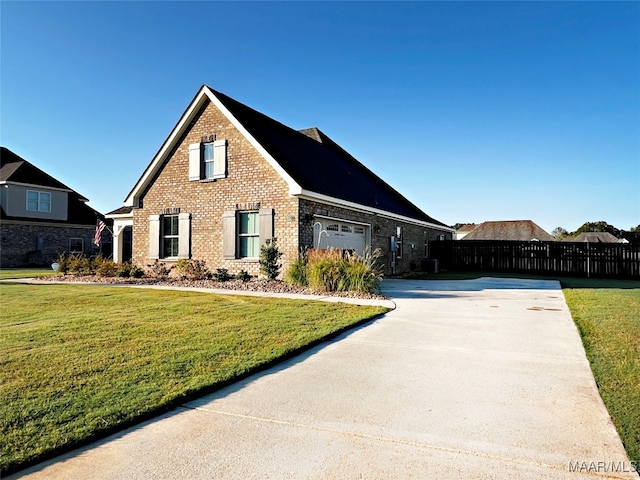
column 249, row 247
column 31, row 205
column 249, row 223
column 170, row 247
column 170, row 225
column 208, row 169
column 45, row 202
column 332, row 227
column 208, row 151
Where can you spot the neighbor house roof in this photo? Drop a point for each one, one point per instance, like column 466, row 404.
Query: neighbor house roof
column 523, row 230
column 312, row 164
column 16, row 170
column 466, row 228
column 595, row 237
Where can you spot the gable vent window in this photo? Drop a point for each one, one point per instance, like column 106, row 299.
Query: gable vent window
column 208, row 161
column 38, row 201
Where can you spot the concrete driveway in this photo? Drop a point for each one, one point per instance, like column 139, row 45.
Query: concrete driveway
column 465, row 379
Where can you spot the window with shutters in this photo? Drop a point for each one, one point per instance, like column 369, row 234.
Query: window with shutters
column 170, row 235
column 208, row 161
column 248, row 235
column 245, row 231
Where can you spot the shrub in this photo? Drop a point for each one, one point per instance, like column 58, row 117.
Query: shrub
column 63, row 263
column 124, row 270
column 243, row 276
column 221, row 275
column 329, row 270
column 269, row 259
column 297, row 272
column 361, row 273
column 193, row 269
column 78, row 265
column 158, row 270
column 324, row 269
column 136, row 272
column 103, row 266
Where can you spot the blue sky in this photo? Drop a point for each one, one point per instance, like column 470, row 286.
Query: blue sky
column 473, row 110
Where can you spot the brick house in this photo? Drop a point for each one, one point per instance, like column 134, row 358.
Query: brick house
column 228, row 178
column 41, row 217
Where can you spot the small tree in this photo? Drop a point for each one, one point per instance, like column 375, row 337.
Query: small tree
column 270, row 259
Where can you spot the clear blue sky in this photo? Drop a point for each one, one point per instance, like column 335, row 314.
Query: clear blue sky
column 474, row 111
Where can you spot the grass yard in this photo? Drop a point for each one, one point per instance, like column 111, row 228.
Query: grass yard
column 7, row 273
column 609, row 324
column 81, row 361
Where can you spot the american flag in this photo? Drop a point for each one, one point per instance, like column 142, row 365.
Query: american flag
column 98, row 235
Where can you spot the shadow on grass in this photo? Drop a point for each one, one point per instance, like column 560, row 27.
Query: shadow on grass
column 566, row 282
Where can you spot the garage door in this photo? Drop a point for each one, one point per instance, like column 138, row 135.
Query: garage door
column 341, row 235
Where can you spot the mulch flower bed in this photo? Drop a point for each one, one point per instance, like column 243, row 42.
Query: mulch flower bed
column 252, row 285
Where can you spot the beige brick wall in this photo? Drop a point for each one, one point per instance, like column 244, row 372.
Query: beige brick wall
column 250, row 180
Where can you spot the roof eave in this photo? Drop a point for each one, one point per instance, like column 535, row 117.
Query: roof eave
column 307, row 194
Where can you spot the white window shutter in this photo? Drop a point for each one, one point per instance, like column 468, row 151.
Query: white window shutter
column 220, row 159
column 154, row 237
column 229, row 234
column 265, row 225
column 184, row 238
column 195, row 162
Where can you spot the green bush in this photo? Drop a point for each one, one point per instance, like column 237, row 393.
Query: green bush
column 243, row 276
column 331, row 271
column 297, row 272
column 124, row 270
column 136, row 272
column 222, row 275
column 270, row 259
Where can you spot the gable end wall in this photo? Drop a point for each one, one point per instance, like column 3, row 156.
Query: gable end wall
column 250, row 180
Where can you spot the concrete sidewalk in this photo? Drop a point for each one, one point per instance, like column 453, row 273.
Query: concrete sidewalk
column 465, row 379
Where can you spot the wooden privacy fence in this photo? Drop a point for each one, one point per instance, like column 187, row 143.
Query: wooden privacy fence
column 613, row 260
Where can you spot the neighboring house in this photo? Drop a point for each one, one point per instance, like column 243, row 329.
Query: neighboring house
column 228, row 178
column 522, row 230
column 40, row 216
column 596, row 237
column 464, row 230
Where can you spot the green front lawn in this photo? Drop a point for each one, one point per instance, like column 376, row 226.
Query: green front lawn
column 609, row 322
column 80, row 361
column 6, row 273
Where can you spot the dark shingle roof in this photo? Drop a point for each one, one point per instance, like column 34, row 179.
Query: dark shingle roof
column 16, row 169
column 595, row 237
column 523, row 230
column 320, row 165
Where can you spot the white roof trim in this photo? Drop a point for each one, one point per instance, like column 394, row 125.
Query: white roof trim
column 363, row 208
column 343, row 220
column 123, row 216
column 204, row 94
column 41, row 187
